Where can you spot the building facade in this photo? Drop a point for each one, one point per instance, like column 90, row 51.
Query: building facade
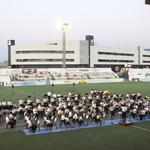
column 78, row 54
column 120, row 56
column 105, row 56
column 145, row 57
column 48, row 55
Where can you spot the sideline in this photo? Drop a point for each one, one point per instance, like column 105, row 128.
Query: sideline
column 144, row 129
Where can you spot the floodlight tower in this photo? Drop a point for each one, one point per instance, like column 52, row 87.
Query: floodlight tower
column 64, row 29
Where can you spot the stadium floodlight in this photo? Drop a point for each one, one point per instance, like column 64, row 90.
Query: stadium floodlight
column 147, row 2
column 64, row 29
column 63, row 26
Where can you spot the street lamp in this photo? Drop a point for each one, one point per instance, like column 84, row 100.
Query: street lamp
column 64, row 28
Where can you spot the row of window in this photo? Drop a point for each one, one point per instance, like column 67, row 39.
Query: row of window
column 116, row 54
column 146, row 61
column 146, row 55
column 110, row 60
column 44, row 60
column 147, row 49
column 43, row 52
column 50, row 66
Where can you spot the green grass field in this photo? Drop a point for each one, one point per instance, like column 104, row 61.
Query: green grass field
column 103, row 138
column 17, row 93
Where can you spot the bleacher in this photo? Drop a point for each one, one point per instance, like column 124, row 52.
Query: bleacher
column 59, row 76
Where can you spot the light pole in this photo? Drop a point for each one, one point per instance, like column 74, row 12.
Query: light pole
column 64, row 28
column 52, row 87
column 34, row 87
column 12, row 90
column 73, row 84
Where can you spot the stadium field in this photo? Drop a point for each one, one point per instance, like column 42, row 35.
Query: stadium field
column 104, row 138
column 133, row 137
column 14, row 94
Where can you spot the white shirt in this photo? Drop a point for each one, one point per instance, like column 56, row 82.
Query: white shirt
column 62, row 117
column 124, row 108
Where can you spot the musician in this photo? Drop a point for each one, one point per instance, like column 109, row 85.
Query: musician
column 112, row 112
column 10, row 120
column 124, row 113
column 48, row 122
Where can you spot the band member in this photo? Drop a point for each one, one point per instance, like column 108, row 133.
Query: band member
column 10, row 120
column 124, row 113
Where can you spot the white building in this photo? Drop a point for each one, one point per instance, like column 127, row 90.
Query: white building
column 83, row 53
column 106, row 56
column 49, row 55
column 145, row 57
column 119, row 56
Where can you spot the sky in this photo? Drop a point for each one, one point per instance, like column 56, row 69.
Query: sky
column 112, row 22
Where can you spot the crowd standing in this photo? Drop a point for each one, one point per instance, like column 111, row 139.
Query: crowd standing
column 72, row 110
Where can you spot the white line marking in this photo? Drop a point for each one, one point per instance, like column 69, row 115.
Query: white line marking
column 147, row 130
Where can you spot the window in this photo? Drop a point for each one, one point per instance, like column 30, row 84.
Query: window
column 110, row 60
column 146, row 61
column 146, row 55
column 43, row 60
column 118, row 54
column 43, row 52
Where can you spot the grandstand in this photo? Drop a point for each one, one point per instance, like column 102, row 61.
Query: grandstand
column 5, row 80
column 139, row 74
column 60, row 76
